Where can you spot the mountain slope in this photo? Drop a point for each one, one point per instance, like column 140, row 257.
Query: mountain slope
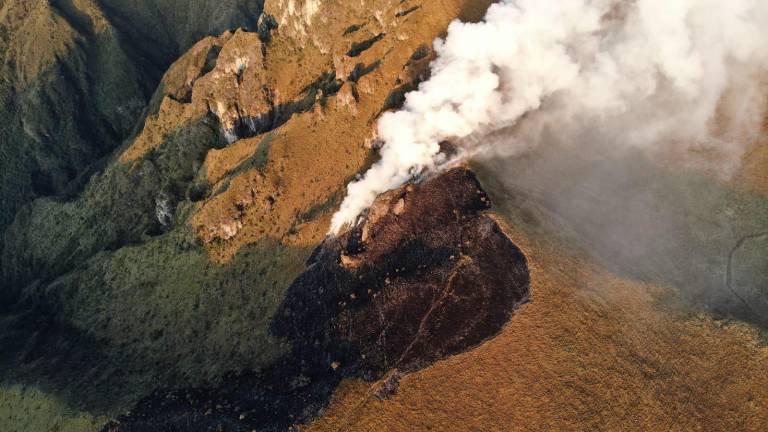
column 76, row 78
column 166, row 283
column 167, row 268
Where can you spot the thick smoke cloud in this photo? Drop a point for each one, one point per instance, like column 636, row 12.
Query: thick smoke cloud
column 675, row 79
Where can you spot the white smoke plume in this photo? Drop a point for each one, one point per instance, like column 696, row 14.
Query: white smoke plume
column 667, row 76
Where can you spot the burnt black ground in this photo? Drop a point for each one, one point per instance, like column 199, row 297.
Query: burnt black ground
column 425, row 275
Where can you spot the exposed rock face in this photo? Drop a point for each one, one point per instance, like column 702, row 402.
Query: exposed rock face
column 425, row 275
column 434, row 277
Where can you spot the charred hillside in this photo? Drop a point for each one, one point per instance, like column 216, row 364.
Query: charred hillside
column 426, row 274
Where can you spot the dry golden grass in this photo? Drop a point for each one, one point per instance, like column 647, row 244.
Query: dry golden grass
column 592, row 351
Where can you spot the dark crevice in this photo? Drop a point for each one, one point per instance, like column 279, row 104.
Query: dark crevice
column 198, row 190
column 396, row 98
column 316, row 210
column 362, row 70
column 358, row 48
column 421, row 52
column 42, row 182
column 352, row 29
column 267, row 23
column 210, row 59
column 323, row 87
column 407, row 11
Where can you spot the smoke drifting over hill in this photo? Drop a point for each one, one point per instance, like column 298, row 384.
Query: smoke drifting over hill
column 669, row 78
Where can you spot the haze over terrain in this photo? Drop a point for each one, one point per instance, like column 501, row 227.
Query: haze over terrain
column 383, row 215
column 644, row 74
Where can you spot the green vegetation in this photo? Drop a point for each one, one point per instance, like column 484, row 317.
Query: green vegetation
column 158, row 314
column 29, row 409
